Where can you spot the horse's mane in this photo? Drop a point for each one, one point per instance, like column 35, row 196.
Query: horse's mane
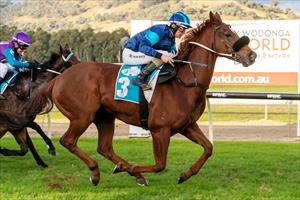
column 184, row 47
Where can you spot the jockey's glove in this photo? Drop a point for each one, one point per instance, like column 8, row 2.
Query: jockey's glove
column 42, row 68
column 33, row 65
column 24, row 69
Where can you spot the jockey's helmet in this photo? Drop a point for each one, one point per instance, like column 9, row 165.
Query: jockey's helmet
column 22, row 39
column 180, row 19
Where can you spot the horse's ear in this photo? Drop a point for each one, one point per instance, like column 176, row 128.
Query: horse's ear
column 218, row 17
column 67, row 46
column 61, row 50
column 211, row 16
column 214, row 19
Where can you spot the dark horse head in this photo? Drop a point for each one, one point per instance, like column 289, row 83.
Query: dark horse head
column 62, row 60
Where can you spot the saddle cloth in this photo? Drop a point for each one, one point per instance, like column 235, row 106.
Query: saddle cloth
column 126, row 91
column 9, row 80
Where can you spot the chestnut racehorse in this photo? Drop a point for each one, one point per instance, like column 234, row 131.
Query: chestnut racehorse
column 85, row 95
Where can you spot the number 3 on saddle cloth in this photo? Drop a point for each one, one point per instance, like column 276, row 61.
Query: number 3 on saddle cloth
column 9, row 80
column 126, row 91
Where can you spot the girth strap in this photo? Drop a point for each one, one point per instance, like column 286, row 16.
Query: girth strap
column 193, row 84
column 143, row 110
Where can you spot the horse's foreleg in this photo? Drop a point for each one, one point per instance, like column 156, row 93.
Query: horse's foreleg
column 161, row 141
column 195, row 134
column 39, row 130
column 69, row 140
column 106, row 125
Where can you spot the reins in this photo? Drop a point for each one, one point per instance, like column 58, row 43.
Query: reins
column 191, row 63
column 195, row 83
column 65, row 59
column 213, row 51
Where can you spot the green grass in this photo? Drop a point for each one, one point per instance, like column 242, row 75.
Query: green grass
column 237, row 170
column 242, row 113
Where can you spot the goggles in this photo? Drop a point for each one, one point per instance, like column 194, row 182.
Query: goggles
column 22, row 47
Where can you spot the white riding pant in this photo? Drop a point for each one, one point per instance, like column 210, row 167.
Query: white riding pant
column 137, row 58
column 4, row 68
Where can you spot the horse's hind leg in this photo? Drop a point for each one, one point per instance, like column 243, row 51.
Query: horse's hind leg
column 69, row 140
column 25, row 142
column 195, row 134
column 20, row 138
column 105, row 124
column 38, row 129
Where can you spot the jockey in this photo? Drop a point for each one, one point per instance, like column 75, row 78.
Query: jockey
column 155, row 46
column 11, row 53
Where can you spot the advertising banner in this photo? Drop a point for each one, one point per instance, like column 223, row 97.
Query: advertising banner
column 276, row 43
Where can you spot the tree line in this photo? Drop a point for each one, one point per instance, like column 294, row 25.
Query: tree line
column 86, row 44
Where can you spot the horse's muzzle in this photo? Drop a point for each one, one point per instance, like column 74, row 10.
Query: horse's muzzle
column 240, row 43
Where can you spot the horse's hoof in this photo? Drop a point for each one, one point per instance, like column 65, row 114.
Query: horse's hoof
column 141, row 181
column 182, row 178
column 44, row 165
column 117, row 168
column 94, row 181
column 52, row 152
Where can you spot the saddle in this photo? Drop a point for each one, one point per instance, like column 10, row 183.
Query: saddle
column 166, row 73
column 9, row 80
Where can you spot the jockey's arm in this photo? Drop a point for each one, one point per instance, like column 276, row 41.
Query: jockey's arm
column 10, row 58
column 146, row 45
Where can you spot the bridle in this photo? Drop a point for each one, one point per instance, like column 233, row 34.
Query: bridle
column 241, row 42
column 66, row 59
column 69, row 56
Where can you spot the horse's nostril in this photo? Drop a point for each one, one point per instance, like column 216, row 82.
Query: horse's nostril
column 252, row 56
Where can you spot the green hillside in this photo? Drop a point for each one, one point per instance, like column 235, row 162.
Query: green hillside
column 108, row 15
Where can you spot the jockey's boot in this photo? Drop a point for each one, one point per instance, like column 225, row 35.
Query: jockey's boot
column 2, row 97
column 141, row 79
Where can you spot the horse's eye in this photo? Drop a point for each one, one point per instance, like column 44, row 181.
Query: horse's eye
column 228, row 35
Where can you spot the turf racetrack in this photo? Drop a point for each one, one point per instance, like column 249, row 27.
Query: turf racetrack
column 237, row 170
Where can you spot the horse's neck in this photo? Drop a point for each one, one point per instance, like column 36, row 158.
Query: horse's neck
column 200, row 55
column 42, row 79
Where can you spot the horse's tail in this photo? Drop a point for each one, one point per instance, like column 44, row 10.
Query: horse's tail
column 40, row 102
column 12, row 121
